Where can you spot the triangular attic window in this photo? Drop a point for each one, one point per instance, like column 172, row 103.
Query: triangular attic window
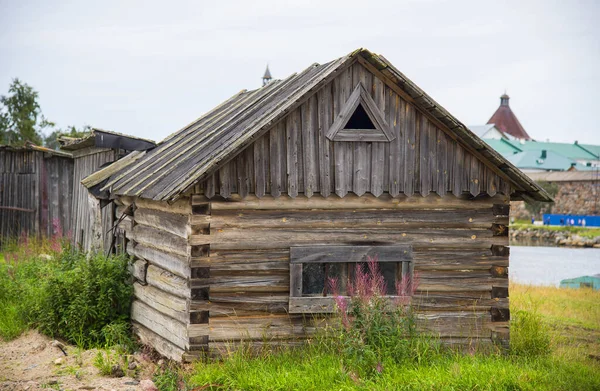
column 360, row 120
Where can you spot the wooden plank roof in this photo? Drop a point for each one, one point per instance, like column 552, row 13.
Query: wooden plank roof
column 199, row 149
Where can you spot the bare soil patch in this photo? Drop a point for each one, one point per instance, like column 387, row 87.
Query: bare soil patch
column 29, row 363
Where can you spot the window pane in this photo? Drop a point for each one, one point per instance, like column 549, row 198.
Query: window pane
column 313, row 279
column 388, row 269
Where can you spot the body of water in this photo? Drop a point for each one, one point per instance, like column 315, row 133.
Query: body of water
column 550, row 265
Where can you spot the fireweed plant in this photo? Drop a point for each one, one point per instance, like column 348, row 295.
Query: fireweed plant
column 375, row 328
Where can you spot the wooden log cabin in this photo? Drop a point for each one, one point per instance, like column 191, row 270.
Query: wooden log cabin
column 234, row 220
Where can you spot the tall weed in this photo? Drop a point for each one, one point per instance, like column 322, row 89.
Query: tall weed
column 374, row 327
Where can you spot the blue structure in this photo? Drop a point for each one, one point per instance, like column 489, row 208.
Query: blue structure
column 590, row 221
column 582, row 282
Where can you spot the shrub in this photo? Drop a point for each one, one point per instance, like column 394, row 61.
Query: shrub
column 529, row 337
column 86, row 301
column 44, row 283
column 375, row 328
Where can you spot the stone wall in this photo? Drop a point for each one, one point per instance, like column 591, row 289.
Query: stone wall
column 579, row 198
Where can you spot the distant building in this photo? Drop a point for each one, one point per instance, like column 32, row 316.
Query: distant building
column 592, row 282
column 535, row 156
column 489, row 131
column 506, row 121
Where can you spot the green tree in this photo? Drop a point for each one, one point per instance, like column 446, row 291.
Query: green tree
column 51, row 141
column 21, row 117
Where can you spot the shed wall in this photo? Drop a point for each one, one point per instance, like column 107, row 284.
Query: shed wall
column 42, row 186
column 87, row 161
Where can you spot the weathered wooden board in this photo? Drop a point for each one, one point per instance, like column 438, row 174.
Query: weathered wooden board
column 367, row 201
column 333, row 254
column 165, row 326
column 167, row 304
column 425, row 218
column 159, row 239
column 285, row 237
column 171, row 262
column 244, row 283
column 163, row 346
column 177, row 224
column 168, row 282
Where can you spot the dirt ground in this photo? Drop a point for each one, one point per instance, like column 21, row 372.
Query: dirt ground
column 28, row 363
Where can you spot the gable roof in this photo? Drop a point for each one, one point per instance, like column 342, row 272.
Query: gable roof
column 199, row 149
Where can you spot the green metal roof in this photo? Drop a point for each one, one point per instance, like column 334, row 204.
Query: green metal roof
column 593, row 149
column 571, row 151
column 502, row 146
column 534, row 160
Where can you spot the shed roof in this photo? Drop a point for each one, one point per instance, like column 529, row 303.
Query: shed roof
column 106, row 139
column 32, row 147
column 199, row 149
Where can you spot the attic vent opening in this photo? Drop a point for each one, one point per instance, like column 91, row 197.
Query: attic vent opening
column 360, row 120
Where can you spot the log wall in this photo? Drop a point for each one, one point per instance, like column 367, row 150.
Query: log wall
column 157, row 240
column 36, row 190
column 240, row 265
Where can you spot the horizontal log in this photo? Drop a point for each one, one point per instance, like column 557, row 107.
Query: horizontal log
column 162, row 346
column 267, row 238
column 177, row 224
column 169, row 305
column 250, row 266
column 171, row 262
column 333, row 254
column 168, row 282
column 163, row 325
column 216, row 308
column 326, row 305
column 361, row 218
column 441, row 258
column 198, row 333
column 435, row 285
column 159, row 239
column 252, row 298
column 223, row 329
column 251, row 283
column 351, row 201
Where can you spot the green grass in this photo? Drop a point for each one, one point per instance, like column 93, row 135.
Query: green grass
column 568, row 321
column 589, row 233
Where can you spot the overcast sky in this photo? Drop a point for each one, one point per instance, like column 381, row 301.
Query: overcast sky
column 149, row 68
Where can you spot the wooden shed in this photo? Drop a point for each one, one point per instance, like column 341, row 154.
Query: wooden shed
column 36, row 188
column 235, row 220
column 98, row 149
